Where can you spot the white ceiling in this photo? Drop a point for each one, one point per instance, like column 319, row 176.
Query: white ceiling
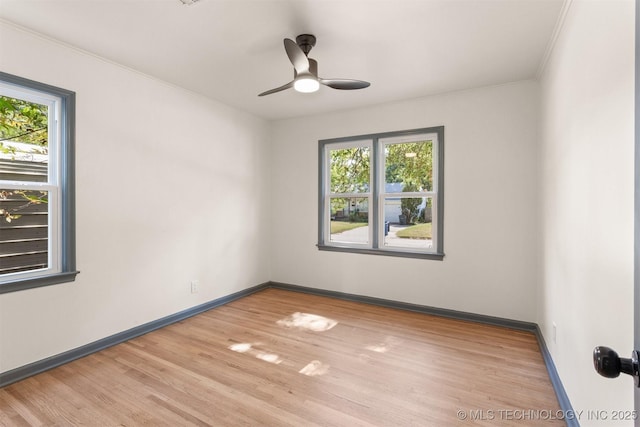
column 231, row 50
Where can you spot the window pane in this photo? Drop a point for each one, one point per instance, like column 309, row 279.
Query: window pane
column 408, row 222
column 24, row 143
column 408, row 167
column 349, row 220
column 23, row 230
column 350, row 170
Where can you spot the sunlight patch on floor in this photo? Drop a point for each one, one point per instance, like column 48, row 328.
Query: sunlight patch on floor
column 388, row 344
column 242, row 347
column 315, row 368
column 245, row 347
column 306, row 321
column 269, row 357
column 378, row 348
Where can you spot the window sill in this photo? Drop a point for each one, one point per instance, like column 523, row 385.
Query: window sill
column 400, row 254
column 36, row 282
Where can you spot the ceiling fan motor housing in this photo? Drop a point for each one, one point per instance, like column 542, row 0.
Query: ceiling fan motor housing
column 306, row 42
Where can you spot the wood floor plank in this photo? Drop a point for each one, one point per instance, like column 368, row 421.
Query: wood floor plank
column 249, row 363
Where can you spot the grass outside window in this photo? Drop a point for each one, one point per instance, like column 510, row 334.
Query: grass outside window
column 419, row 231
column 341, row 226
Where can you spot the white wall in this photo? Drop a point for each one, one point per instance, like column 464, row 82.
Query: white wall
column 587, row 175
column 491, row 194
column 171, row 187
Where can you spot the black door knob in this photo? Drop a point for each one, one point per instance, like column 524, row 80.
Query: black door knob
column 610, row 365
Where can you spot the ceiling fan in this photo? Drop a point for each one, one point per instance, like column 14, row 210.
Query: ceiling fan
column 305, row 69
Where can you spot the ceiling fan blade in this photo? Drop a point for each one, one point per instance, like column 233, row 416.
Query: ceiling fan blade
column 278, row 89
column 296, row 56
column 344, row 84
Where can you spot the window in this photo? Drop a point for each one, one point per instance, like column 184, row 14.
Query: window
column 383, row 194
column 37, row 220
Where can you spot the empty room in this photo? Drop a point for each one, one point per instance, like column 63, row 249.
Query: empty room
column 319, row 213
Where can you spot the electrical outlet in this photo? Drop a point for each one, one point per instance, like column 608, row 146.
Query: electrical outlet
column 554, row 333
column 194, row 286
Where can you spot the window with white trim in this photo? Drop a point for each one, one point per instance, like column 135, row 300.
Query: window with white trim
column 37, row 221
column 383, row 193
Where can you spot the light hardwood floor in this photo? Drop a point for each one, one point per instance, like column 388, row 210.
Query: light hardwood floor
column 251, row 362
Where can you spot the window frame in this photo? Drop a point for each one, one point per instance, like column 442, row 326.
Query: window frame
column 364, row 195
column 378, row 193
column 60, row 185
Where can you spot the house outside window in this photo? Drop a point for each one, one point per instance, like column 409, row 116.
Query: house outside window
column 37, row 218
column 383, row 193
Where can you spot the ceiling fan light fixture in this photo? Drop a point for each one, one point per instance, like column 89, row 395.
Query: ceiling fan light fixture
column 306, row 84
column 305, row 69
